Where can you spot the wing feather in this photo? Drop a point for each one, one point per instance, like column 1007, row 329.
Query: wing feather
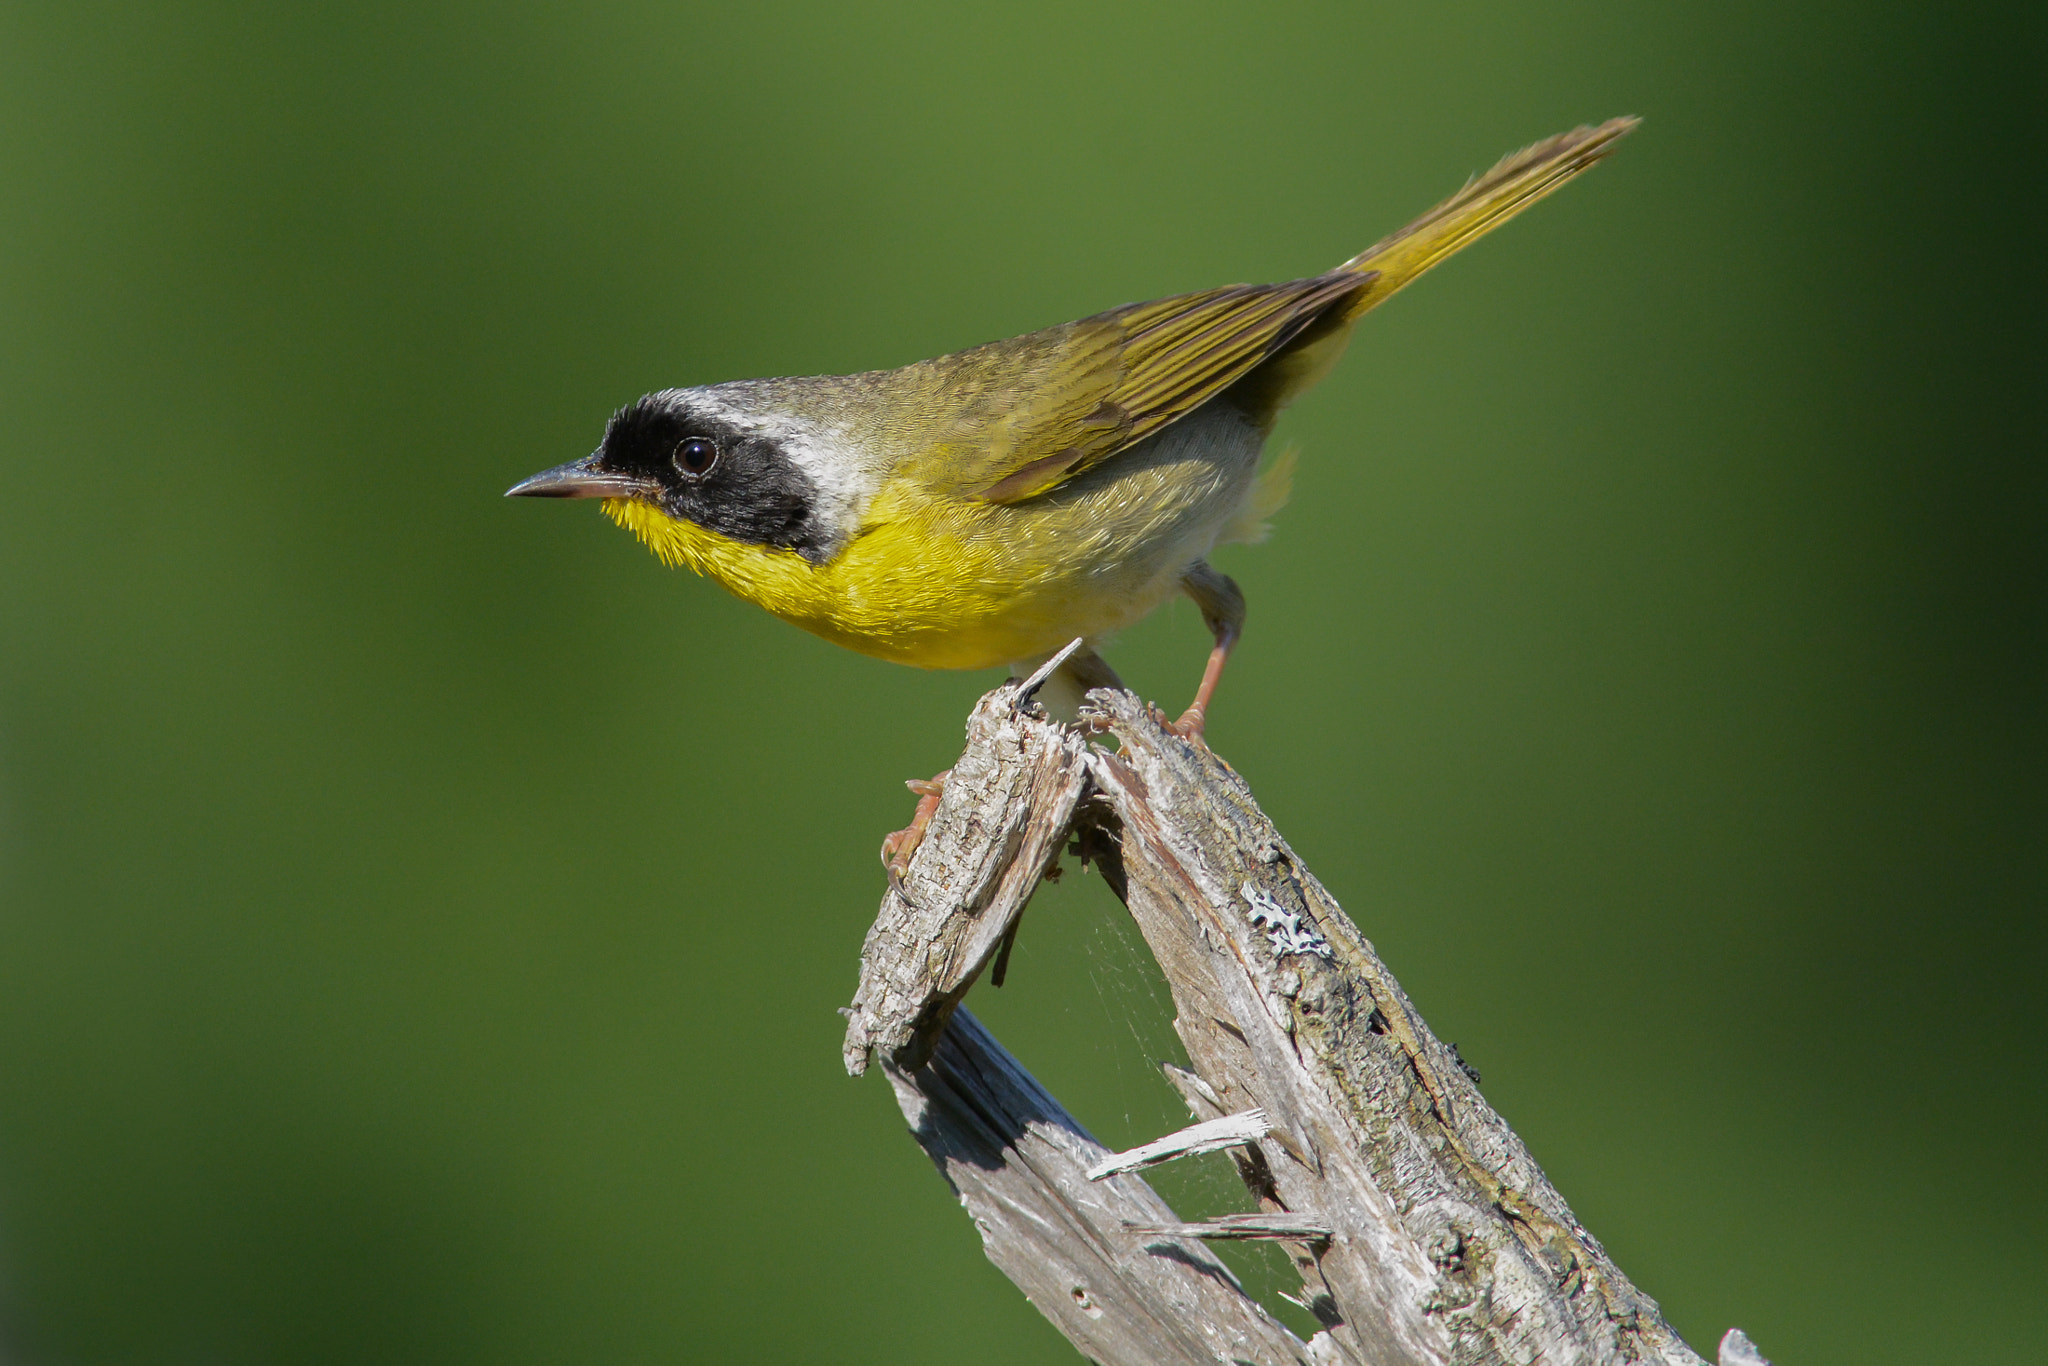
column 1053, row 404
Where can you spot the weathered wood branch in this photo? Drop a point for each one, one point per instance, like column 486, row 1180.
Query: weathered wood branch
column 1019, row 1162
column 1424, row 1232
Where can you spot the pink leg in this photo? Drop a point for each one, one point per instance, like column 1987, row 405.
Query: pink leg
column 1189, row 727
column 1222, row 607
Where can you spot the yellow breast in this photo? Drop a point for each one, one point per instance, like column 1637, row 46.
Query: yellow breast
column 942, row 586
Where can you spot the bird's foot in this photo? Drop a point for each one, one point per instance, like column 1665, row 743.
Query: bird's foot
column 1190, row 725
column 898, row 848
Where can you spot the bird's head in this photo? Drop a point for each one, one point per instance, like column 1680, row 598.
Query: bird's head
column 708, row 458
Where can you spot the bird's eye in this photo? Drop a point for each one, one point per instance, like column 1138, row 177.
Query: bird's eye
column 695, row 456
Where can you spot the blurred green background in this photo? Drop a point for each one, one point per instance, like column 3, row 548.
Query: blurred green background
column 422, row 916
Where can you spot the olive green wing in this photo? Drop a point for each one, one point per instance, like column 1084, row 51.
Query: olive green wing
column 1022, row 417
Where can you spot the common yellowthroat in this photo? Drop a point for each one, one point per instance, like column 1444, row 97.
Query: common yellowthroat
column 990, row 506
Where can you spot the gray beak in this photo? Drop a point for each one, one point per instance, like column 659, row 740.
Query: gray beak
column 578, row 479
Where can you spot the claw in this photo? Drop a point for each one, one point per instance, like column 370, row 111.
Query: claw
column 895, row 882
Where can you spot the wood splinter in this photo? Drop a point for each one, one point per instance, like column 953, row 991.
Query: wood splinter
column 1211, row 1135
column 1241, row 1227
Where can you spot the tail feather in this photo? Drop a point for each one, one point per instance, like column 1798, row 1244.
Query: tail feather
column 1484, row 204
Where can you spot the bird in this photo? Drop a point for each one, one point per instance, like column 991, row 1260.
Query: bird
column 993, row 506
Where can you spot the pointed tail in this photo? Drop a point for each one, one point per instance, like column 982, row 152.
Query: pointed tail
column 1483, row 205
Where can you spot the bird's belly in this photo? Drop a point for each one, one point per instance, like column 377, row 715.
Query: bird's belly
column 965, row 586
